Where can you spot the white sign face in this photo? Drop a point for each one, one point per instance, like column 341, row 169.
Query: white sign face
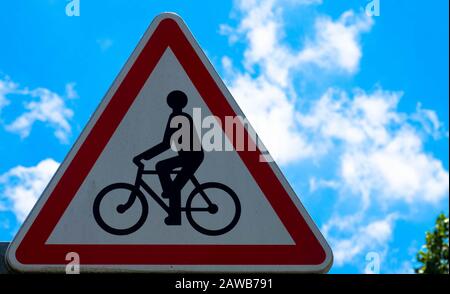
column 142, row 128
column 159, row 181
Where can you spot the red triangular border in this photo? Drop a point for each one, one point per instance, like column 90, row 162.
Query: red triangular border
column 33, row 250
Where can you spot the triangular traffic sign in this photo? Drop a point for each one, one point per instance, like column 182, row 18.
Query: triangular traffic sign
column 106, row 206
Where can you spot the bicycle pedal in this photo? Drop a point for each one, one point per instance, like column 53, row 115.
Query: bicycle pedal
column 172, row 222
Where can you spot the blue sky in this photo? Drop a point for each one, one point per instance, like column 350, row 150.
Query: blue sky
column 359, row 104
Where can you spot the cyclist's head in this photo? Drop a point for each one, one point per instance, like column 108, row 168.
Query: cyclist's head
column 177, row 100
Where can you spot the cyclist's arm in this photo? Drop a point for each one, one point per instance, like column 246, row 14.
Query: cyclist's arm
column 159, row 148
column 154, row 151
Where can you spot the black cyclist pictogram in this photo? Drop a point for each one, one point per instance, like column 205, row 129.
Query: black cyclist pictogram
column 174, row 173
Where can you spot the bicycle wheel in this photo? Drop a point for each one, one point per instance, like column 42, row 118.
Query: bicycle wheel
column 131, row 191
column 204, row 217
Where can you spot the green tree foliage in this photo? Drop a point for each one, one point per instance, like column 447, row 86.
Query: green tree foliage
column 433, row 256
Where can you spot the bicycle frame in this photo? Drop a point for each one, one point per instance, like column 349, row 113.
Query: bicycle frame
column 139, row 182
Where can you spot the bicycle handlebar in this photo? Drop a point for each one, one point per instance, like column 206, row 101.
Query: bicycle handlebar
column 141, row 167
column 152, row 171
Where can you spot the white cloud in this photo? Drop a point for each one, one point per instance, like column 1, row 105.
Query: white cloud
column 271, row 113
column 5, row 224
column 43, row 105
column 354, row 121
column 6, row 87
column 361, row 240
column 71, row 93
column 335, row 45
column 429, row 121
column 373, row 153
column 104, row 43
column 406, row 267
column 397, row 170
column 382, row 152
column 22, row 186
column 266, row 93
column 315, row 184
column 50, row 108
column 381, row 167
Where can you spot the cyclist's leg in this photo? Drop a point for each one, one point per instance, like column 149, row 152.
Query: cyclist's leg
column 164, row 169
column 186, row 172
column 189, row 165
